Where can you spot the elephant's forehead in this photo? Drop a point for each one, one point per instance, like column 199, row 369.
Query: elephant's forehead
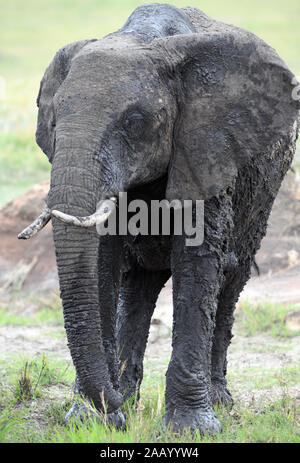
column 115, row 53
column 114, row 66
column 94, row 87
column 106, row 85
column 113, row 70
column 107, row 76
column 111, row 76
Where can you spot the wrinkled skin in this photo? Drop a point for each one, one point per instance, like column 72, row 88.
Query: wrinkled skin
column 174, row 105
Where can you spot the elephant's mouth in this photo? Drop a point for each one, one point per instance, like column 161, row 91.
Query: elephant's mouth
column 103, row 211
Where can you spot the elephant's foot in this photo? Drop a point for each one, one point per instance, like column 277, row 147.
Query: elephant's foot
column 117, row 419
column 220, row 395
column 192, row 419
column 82, row 412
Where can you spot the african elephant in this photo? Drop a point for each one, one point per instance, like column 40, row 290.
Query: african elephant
column 174, row 105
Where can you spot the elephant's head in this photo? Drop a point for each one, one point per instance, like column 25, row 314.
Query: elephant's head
column 123, row 111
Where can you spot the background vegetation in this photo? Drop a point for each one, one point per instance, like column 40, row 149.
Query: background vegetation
column 32, row 31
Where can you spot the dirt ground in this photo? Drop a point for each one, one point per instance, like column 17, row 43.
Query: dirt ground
column 246, row 354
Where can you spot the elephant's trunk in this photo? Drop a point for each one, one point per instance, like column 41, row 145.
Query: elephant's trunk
column 77, row 262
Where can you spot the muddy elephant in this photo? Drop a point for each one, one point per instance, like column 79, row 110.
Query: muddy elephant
column 174, row 106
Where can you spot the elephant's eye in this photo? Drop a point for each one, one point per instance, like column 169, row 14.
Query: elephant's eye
column 134, row 123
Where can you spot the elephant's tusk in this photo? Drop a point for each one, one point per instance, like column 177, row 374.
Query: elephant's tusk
column 36, row 226
column 102, row 213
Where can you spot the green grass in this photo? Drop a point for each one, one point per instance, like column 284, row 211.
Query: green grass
column 47, row 311
column 264, row 318
column 32, row 31
column 41, row 317
column 270, row 347
column 274, row 423
column 29, row 388
column 39, row 417
column 256, row 378
column 10, row 421
column 38, row 318
column 28, row 378
column 22, row 164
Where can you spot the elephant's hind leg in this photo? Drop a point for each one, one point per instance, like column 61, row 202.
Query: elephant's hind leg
column 138, row 295
column 235, row 280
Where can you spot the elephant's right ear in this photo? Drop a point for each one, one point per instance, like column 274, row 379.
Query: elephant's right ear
column 54, row 76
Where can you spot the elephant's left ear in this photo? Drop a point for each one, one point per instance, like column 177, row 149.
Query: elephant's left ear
column 54, row 76
column 235, row 106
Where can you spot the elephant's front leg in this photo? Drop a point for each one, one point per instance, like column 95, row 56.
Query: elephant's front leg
column 196, row 281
